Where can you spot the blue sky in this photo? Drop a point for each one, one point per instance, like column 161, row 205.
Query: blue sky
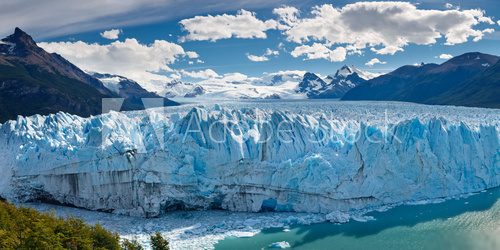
column 160, row 21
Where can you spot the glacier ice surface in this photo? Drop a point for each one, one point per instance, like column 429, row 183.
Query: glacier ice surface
column 316, row 156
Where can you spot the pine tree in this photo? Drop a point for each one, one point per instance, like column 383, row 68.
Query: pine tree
column 158, row 242
column 131, row 245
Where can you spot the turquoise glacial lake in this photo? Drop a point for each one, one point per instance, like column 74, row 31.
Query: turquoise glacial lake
column 465, row 223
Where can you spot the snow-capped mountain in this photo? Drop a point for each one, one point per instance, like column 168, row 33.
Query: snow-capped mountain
column 196, row 91
column 311, row 85
column 176, row 88
column 128, row 89
column 343, row 80
column 146, row 163
column 289, row 84
column 333, row 86
column 280, row 84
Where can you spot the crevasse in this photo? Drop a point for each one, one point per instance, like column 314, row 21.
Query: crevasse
column 250, row 158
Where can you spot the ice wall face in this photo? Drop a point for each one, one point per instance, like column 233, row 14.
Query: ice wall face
column 320, row 157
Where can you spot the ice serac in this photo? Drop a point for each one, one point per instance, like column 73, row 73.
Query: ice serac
column 328, row 157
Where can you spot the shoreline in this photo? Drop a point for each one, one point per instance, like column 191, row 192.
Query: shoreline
column 204, row 229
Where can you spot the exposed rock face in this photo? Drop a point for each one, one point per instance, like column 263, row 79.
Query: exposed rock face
column 232, row 158
column 196, row 91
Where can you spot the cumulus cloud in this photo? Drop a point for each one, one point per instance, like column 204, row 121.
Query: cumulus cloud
column 140, row 62
column 287, row 16
column 111, row 34
column 320, row 51
column 201, row 74
column 374, row 61
column 265, row 57
column 192, row 54
column 445, row 56
column 255, row 58
column 235, row 78
column 384, row 27
column 242, row 25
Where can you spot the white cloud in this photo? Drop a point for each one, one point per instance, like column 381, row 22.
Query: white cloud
column 270, row 52
column 451, row 6
column 242, row 25
column 255, row 58
column 287, row 72
column 498, row 22
column 385, row 27
column 201, row 74
column 235, row 78
column 287, row 16
column 73, row 16
column 387, row 50
column 265, row 57
column 484, row 32
column 192, row 54
column 140, row 62
column 374, row 61
column 111, row 34
column 445, row 56
column 320, row 51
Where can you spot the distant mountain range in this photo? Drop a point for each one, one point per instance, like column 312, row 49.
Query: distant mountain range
column 128, row 89
column 33, row 81
column 333, row 86
column 471, row 79
column 278, row 85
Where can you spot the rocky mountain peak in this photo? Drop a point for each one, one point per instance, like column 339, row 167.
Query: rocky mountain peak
column 19, row 44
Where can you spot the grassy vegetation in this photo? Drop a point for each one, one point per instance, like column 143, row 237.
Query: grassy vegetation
column 25, row 228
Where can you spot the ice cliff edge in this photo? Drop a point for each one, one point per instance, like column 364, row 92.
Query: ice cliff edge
column 246, row 159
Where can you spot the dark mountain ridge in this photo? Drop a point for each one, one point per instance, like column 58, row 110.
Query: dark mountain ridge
column 426, row 83
column 33, row 81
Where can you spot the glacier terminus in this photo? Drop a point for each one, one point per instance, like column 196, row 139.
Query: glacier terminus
column 325, row 157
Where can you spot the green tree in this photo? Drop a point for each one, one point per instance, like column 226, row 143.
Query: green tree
column 158, row 242
column 131, row 245
column 24, row 228
column 104, row 239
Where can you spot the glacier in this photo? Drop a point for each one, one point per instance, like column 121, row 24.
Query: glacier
column 317, row 156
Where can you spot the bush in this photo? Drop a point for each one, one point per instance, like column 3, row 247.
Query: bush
column 158, row 242
column 25, row 228
column 131, row 245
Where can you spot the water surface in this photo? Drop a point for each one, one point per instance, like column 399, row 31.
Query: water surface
column 467, row 223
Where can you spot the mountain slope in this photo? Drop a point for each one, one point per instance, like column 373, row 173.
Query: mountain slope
column 481, row 91
column 333, row 86
column 311, row 85
column 344, row 80
column 424, row 83
column 130, row 90
column 33, row 81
